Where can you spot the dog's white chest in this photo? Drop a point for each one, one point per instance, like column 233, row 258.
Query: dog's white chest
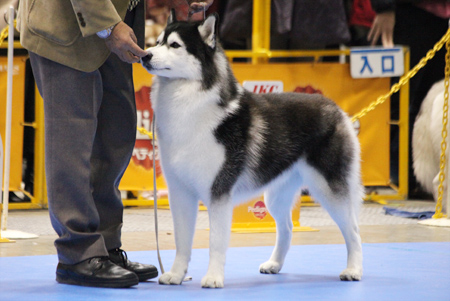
column 186, row 124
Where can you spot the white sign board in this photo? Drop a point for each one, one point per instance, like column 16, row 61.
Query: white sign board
column 368, row 62
column 263, row 86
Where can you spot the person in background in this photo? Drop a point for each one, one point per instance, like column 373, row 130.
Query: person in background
column 81, row 54
column 158, row 12
column 295, row 24
column 360, row 19
column 418, row 25
column 305, row 24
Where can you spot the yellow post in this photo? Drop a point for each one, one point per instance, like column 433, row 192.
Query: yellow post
column 40, row 191
column 39, row 197
column 261, row 29
column 403, row 124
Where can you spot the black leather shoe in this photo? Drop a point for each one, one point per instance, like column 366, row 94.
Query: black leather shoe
column 97, row 272
column 143, row 271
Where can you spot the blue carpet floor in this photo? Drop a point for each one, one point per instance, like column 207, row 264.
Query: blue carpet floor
column 393, row 271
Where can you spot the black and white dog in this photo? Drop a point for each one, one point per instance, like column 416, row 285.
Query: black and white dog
column 223, row 145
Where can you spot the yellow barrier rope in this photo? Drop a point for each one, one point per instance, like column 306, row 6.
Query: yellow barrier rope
column 4, row 33
column 145, row 132
column 438, row 213
column 445, row 40
column 404, row 79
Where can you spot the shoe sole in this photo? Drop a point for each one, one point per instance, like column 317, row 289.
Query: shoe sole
column 147, row 276
column 123, row 283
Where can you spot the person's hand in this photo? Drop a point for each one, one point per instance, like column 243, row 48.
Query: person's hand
column 196, row 6
column 123, row 42
column 383, row 25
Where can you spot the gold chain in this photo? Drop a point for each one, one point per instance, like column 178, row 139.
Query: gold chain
column 4, row 34
column 145, row 132
column 439, row 213
column 404, row 79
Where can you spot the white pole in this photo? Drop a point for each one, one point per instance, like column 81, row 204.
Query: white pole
column 8, row 117
column 342, row 56
column 9, row 233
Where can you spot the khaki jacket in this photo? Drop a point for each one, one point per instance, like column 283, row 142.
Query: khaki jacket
column 64, row 31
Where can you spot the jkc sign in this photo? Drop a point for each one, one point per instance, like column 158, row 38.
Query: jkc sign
column 261, row 87
column 370, row 62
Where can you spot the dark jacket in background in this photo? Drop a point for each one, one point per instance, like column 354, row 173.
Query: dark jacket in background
column 305, row 23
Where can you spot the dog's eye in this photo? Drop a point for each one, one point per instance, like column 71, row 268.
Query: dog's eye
column 175, row 45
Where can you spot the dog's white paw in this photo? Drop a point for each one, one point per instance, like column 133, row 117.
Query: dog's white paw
column 270, row 267
column 351, row 275
column 212, row 281
column 170, row 278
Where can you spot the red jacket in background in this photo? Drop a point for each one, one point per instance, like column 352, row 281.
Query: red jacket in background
column 362, row 13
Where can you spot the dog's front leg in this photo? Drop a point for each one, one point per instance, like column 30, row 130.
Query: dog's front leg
column 220, row 215
column 184, row 208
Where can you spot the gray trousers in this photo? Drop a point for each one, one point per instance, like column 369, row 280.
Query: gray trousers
column 90, row 130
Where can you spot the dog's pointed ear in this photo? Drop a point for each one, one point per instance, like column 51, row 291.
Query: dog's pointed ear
column 208, row 30
column 172, row 17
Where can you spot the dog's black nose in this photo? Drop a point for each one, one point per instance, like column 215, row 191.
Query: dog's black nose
column 147, row 58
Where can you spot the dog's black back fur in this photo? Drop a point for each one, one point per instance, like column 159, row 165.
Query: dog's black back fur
column 311, row 127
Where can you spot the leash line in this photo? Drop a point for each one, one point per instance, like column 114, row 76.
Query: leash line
column 155, row 194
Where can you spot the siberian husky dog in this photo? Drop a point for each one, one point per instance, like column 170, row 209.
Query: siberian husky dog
column 223, row 145
column 426, row 142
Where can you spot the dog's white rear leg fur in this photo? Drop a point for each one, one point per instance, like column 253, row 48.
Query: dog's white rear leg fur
column 343, row 210
column 220, row 215
column 278, row 200
column 343, row 213
column 184, row 208
column 350, row 231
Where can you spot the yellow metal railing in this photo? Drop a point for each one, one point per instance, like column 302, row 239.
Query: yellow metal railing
column 260, row 53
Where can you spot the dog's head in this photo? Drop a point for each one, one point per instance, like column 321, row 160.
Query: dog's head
column 184, row 49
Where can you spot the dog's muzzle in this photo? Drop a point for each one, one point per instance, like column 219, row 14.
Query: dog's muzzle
column 146, row 59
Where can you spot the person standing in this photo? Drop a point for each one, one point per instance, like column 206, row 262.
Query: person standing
column 81, row 54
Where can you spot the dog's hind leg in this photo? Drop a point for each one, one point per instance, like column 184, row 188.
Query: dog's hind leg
column 342, row 203
column 220, row 216
column 184, row 208
column 278, row 199
column 347, row 221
